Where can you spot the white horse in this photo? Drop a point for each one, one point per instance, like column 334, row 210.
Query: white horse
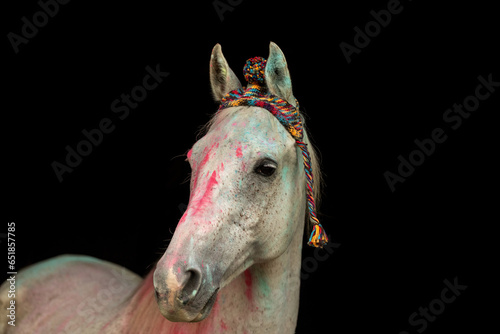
column 233, row 264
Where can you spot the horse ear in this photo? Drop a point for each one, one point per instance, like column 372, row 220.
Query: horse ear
column 277, row 75
column 222, row 78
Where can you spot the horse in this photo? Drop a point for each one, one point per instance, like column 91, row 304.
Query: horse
column 233, row 263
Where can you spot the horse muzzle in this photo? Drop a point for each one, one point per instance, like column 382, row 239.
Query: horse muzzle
column 183, row 295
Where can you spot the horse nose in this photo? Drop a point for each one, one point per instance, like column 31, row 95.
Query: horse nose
column 190, row 282
column 191, row 286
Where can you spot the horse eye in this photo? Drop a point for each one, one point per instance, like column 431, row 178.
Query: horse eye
column 266, row 168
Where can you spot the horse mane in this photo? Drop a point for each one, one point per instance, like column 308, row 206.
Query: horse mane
column 217, row 117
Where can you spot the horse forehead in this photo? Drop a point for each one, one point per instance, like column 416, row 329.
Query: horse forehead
column 246, row 129
column 252, row 125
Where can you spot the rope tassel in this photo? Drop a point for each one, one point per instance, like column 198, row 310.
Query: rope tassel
column 318, row 236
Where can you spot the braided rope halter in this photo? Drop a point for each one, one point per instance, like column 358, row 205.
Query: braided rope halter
column 256, row 94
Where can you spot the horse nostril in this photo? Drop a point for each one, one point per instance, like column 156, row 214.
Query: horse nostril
column 157, row 295
column 191, row 285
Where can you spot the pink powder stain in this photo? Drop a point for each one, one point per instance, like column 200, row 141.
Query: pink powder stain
column 179, row 329
column 214, row 314
column 189, row 153
column 241, row 124
column 248, row 283
column 183, row 219
column 170, row 261
column 223, row 325
column 205, row 199
column 179, row 270
column 206, row 158
column 239, row 154
column 105, row 326
column 63, row 325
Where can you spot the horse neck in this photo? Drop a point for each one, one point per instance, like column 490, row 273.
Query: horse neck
column 263, row 299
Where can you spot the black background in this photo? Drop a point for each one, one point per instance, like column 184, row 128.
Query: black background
column 122, row 202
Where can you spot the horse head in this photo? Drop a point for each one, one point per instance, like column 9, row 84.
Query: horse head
column 248, row 190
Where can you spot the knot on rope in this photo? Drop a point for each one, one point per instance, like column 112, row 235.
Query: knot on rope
column 254, row 70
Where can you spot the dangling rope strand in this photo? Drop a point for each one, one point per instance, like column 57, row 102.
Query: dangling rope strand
column 318, row 236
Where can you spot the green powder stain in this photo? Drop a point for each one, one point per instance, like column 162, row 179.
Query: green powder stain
column 263, row 287
column 284, row 173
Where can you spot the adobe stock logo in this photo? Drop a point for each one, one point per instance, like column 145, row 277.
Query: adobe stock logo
column 224, row 6
column 372, row 29
column 311, row 263
column 29, row 29
column 95, row 136
column 453, row 119
column 97, row 302
column 419, row 320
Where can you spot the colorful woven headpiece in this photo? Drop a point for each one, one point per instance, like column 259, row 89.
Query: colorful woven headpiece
column 256, row 95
